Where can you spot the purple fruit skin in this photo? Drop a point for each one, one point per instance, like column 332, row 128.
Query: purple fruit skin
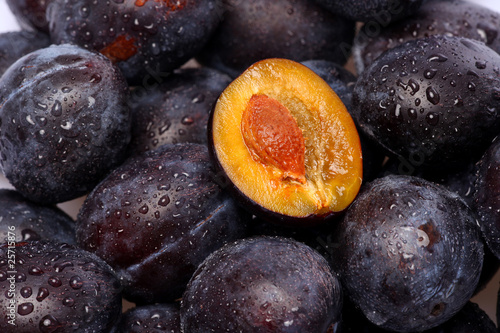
column 64, row 122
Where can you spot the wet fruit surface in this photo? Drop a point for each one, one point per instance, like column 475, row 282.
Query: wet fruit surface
column 409, row 253
column 28, row 221
column 248, row 34
column 433, row 101
column 177, row 110
column 372, row 10
column 64, row 122
column 30, row 13
column 438, row 17
column 486, row 196
column 287, row 143
column 156, row 217
column 146, row 39
column 262, row 284
column 156, row 318
column 14, row 45
column 56, row 288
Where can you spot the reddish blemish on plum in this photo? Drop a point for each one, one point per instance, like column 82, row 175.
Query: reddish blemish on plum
column 121, row 49
column 273, row 137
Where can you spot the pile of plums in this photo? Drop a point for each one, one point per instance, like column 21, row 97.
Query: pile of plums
column 237, row 177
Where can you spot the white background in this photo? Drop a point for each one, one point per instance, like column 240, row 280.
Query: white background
column 486, row 299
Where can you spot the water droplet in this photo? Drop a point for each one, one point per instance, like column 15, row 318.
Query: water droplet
column 30, row 235
column 84, row 11
column 144, row 209
column 20, row 277
column 35, row 270
column 68, row 301
column 480, row 64
column 95, row 78
column 432, row 119
column 49, row 324
column 412, row 113
column 471, row 86
column 430, row 73
column 495, row 94
column 59, row 267
column 66, row 89
column 414, row 86
column 26, row 292
column 54, row 282
column 42, row 294
column 25, row 309
column 187, row 120
column 76, row 282
column 432, row 95
column 437, row 58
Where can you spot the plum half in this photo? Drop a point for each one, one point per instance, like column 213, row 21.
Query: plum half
column 286, row 143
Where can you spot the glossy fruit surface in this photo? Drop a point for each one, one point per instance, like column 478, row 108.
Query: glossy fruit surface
column 286, row 142
column 155, row 218
column 374, row 11
column 157, row 318
column 64, row 122
column 177, row 110
column 262, row 284
column 56, row 288
column 298, row 30
column 434, row 101
column 30, row 13
column 28, row 221
column 16, row 44
column 486, row 196
column 146, row 39
column 409, row 253
column 438, row 17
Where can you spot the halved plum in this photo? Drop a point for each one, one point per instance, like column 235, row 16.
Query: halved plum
column 286, row 143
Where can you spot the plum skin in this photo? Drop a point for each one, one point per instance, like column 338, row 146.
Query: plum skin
column 262, row 284
column 156, row 217
column 66, row 126
column 410, row 253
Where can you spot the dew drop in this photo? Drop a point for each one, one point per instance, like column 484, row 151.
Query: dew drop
column 54, row 282
column 25, row 309
column 481, row 64
column 30, row 235
column 68, row 301
column 187, row 120
column 49, row 324
column 432, row 95
column 26, row 292
column 430, row 73
column 414, row 86
column 95, row 78
column 412, row 113
column 66, row 89
column 20, row 277
column 59, row 267
column 76, row 282
column 42, row 294
column 144, row 209
column 432, row 119
column 471, row 86
column 35, row 270
column 437, row 58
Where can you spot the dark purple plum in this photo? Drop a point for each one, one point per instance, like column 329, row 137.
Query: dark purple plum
column 156, row 318
column 298, row 30
column 30, row 13
column 54, row 287
column 177, row 110
column 146, row 39
column 379, row 11
column 15, row 44
column 433, row 101
column 471, row 319
column 64, row 122
column 29, row 221
column 437, row 17
column 262, row 284
column 487, row 196
column 409, row 253
column 156, row 218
